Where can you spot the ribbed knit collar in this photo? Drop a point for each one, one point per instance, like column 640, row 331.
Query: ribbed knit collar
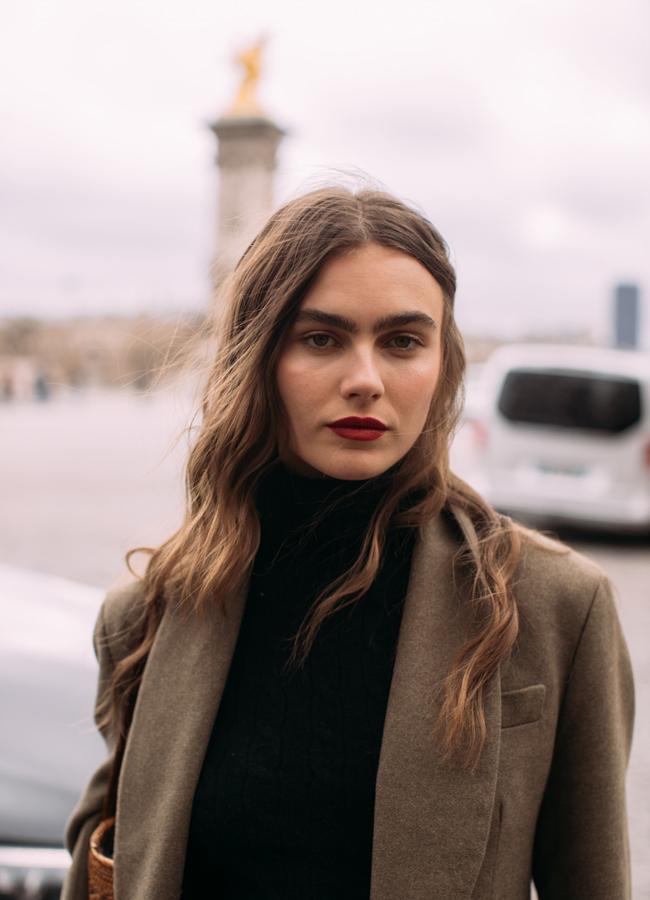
column 290, row 501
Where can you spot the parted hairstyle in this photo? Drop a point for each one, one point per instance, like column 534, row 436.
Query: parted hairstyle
column 211, row 554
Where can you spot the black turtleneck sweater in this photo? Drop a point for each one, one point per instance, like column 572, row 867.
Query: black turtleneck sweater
column 284, row 805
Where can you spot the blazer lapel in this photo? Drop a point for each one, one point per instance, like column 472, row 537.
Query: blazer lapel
column 177, row 703
column 432, row 819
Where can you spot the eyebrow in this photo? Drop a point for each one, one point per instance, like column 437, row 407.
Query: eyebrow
column 342, row 322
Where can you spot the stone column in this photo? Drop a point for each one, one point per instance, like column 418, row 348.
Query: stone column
column 247, row 149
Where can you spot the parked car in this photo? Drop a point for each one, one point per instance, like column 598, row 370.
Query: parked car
column 48, row 743
column 564, row 434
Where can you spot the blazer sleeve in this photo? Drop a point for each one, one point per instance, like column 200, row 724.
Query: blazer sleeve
column 581, row 847
column 89, row 810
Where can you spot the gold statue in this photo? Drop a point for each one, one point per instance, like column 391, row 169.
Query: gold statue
column 246, row 102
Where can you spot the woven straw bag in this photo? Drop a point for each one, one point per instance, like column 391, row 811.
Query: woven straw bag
column 100, row 863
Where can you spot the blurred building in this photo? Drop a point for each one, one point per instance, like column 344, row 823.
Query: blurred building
column 38, row 358
column 18, row 377
column 627, row 310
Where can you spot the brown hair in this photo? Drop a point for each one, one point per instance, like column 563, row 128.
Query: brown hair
column 211, row 554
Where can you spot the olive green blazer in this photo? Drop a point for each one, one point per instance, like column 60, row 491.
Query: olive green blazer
column 547, row 801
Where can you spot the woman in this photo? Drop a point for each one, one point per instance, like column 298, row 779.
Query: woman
column 353, row 677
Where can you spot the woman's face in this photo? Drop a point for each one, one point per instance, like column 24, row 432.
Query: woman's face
column 359, row 367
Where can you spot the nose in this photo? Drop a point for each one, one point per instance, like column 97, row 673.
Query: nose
column 362, row 379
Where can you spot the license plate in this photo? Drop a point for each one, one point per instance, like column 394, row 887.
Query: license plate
column 565, row 469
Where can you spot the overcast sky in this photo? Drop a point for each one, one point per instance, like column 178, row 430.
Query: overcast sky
column 521, row 128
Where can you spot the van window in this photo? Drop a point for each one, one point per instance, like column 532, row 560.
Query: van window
column 575, row 400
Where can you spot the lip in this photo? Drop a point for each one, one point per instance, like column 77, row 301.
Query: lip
column 354, row 428
column 356, row 422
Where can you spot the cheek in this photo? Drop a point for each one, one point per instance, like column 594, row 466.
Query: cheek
column 416, row 389
column 299, row 386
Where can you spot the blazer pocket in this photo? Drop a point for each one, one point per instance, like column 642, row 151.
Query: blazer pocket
column 522, row 706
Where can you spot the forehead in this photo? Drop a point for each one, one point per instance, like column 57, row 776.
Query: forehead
column 373, row 278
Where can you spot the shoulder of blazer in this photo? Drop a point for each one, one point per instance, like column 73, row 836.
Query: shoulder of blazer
column 550, row 577
column 556, row 588
column 118, row 617
column 550, row 569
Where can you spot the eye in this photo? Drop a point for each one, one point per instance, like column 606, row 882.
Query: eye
column 405, row 342
column 318, row 340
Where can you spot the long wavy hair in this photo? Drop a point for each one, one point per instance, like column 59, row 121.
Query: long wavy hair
column 211, row 554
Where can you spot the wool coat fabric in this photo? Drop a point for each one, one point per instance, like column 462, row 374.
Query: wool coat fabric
column 546, row 802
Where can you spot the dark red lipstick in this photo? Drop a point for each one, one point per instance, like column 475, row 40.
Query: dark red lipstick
column 355, row 428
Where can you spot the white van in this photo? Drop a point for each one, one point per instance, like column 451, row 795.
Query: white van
column 565, row 435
